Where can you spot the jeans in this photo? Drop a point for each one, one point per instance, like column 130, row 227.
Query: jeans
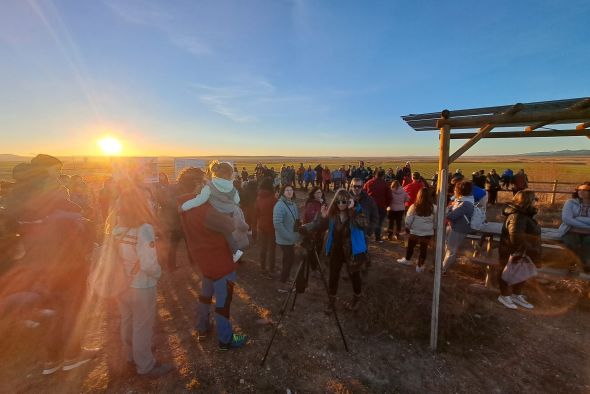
column 288, row 260
column 395, row 218
column 580, row 245
column 267, row 248
column 424, row 241
column 454, row 241
column 382, row 214
column 222, row 289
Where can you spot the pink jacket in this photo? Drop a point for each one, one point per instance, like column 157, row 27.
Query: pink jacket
column 398, row 199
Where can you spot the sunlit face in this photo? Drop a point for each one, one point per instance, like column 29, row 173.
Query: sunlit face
column 318, row 195
column 288, row 192
column 110, row 146
column 357, row 187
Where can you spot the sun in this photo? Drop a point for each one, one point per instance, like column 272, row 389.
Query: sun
column 110, row 146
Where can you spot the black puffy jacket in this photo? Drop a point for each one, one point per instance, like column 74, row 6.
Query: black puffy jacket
column 520, row 233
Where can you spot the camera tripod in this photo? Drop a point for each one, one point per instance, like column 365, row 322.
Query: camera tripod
column 301, row 275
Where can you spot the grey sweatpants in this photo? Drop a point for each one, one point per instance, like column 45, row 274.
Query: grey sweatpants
column 138, row 313
column 454, row 241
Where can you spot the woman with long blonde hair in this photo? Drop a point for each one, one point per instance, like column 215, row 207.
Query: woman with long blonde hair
column 521, row 236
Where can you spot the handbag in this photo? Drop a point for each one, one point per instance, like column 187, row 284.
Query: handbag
column 108, row 277
column 518, row 269
column 296, row 222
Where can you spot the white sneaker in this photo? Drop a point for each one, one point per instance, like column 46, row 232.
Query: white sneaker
column 419, row 269
column 237, row 255
column 404, row 261
column 507, row 302
column 521, row 300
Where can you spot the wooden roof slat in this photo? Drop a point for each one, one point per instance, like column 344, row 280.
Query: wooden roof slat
column 429, row 125
column 523, row 134
column 535, row 106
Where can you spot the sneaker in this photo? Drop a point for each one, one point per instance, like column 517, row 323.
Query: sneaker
column 85, row 356
column 236, row 256
column 160, row 369
column 419, row 269
column 379, row 241
column 519, row 299
column 237, row 341
column 507, row 302
column 354, row 304
column 403, row 261
column 51, row 367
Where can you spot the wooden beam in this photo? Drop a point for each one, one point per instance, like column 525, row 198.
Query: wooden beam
column 522, row 134
column 482, row 133
column 441, row 185
column 472, row 141
column 524, row 118
column 536, row 126
column 581, row 105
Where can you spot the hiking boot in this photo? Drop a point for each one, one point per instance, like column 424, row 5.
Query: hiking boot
column 237, row 341
column 85, row 356
column 403, row 261
column 507, row 302
column 160, row 369
column 519, row 299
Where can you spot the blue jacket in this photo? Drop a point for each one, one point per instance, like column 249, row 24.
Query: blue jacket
column 309, row 176
column 478, row 193
column 458, row 211
column 357, row 235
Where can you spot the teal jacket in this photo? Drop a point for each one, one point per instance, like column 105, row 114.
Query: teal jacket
column 283, row 218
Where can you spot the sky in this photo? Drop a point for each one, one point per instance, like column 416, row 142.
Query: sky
column 292, row 77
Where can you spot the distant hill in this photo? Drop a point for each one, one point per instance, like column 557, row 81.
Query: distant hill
column 567, row 152
column 9, row 157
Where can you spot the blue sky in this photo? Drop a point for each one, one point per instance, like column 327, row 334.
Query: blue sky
column 278, row 77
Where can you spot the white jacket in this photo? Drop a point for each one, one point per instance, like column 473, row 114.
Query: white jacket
column 420, row 225
column 139, row 244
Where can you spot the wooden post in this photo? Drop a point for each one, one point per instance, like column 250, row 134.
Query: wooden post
column 442, row 186
column 553, row 192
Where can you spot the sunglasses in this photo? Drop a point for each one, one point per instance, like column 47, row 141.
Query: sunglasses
column 357, row 186
column 342, row 201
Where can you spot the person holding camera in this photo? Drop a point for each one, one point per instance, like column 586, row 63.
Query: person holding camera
column 345, row 244
column 285, row 218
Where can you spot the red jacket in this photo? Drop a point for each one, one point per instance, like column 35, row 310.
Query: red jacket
column 380, row 191
column 207, row 249
column 311, row 210
column 264, row 206
column 412, row 189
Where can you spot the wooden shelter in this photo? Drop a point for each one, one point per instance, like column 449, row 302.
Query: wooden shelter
column 508, row 121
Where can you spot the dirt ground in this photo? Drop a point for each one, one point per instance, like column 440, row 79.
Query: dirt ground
column 483, row 347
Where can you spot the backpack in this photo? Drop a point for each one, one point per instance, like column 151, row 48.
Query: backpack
column 478, row 218
column 108, row 277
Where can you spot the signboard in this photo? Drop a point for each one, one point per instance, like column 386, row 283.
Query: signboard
column 182, row 163
column 138, row 168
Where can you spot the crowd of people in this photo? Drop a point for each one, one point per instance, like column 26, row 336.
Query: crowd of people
column 48, row 224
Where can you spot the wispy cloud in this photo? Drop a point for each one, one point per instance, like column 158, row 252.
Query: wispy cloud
column 155, row 16
column 247, row 101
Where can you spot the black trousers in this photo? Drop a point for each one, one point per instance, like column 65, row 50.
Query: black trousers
column 336, row 264
column 424, row 241
column 395, row 218
column 288, row 260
